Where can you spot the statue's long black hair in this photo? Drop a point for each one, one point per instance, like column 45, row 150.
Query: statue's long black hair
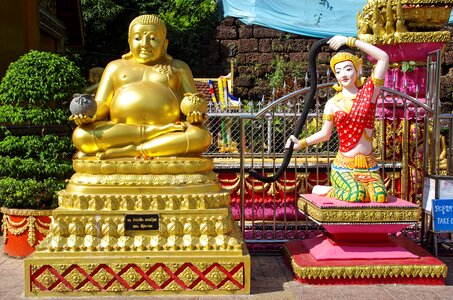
column 303, row 117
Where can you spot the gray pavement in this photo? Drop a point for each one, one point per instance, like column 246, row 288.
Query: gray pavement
column 271, row 279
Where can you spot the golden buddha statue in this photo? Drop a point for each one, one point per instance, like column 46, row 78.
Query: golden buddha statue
column 147, row 103
column 149, row 217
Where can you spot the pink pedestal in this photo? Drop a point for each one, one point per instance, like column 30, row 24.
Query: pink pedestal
column 424, row 269
column 324, row 248
column 356, row 245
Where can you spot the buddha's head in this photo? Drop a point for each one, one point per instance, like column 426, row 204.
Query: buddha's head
column 147, row 39
column 347, row 68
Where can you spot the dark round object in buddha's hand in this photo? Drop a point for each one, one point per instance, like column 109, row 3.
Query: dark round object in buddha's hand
column 83, row 104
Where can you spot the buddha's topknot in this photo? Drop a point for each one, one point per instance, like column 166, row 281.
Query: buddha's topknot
column 149, row 20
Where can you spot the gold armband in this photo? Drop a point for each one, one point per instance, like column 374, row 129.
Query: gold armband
column 326, row 117
column 350, row 42
column 377, row 81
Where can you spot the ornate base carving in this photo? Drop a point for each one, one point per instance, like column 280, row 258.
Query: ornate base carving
column 356, row 248
column 329, row 210
column 407, row 37
column 423, row 270
column 123, row 273
column 135, row 226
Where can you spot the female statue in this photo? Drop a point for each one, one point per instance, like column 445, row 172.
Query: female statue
column 354, row 173
column 141, row 102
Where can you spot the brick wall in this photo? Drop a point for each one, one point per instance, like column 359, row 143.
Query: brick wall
column 254, row 50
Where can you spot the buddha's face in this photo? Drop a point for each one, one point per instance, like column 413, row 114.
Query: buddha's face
column 346, row 73
column 147, row 43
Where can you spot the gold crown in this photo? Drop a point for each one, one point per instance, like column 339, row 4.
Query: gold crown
column 345, row 56
column 149, row 20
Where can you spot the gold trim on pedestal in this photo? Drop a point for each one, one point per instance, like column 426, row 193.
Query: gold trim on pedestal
column 407, row 37
column 359, row 213
column 193, row 230
column 142, row 202
column 123, row 273
column 374, row 271
column 26, row 212
column 161, row 165
column 142, row 179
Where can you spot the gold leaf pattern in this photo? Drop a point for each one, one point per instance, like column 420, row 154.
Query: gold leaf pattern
column 229, row 286
column 216, row 276
column 188, row 276
column 159, row 276
column 174, row 287
column 46, row 278
column 75, row 277
column 144, row 286
column 61, row 288
column 116, row 287
column 89, row 287
column 239, row 276
column 131, row 276
column 103, row 277
column 202, row 286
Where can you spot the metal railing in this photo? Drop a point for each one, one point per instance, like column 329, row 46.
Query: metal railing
column 253, row 135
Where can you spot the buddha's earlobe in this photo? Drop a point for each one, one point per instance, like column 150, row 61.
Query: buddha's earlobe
column 128, row 55
column 166, row 45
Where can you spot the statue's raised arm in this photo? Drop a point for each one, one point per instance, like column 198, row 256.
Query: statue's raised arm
column 147, row 103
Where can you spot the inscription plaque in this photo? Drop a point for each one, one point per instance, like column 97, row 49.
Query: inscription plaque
column 141, row 222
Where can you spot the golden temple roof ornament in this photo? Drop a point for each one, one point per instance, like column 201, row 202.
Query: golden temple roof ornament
column 404, row 21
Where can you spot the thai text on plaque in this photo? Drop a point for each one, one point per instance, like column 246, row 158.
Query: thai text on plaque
column 141, row 222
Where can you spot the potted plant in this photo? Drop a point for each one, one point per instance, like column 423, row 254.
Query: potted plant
column 35, row 144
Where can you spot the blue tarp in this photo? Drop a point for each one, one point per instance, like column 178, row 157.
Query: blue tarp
column 315, row 18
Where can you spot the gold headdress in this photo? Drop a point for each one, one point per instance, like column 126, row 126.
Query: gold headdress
column 149, row 20
column 346, row 56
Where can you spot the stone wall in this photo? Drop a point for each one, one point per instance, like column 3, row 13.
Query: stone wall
column 258, row 53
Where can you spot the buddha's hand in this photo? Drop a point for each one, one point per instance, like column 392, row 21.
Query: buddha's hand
column 82, row 119
column 337, row 41
column 196, row 117
column 194, row 107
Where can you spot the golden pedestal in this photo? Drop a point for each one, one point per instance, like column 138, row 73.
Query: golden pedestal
column 126, row 226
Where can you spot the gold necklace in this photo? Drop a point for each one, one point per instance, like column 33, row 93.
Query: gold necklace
column 344, row 102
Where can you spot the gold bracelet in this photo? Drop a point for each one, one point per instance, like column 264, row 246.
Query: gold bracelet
column 303, row 143
column 377, row 81
column 350, row 42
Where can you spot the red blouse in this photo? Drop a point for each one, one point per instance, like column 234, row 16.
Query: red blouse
column 350, row 126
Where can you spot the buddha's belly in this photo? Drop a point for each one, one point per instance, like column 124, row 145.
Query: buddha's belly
column 144, row 103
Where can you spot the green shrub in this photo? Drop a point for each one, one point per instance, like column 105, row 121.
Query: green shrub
column 17, row 167
column 40, row 79
column 33, row 116
column 34, row 96
column 48, row 147
column 30, row 193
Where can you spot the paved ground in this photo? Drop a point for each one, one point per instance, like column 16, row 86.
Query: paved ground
column 271, row 279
